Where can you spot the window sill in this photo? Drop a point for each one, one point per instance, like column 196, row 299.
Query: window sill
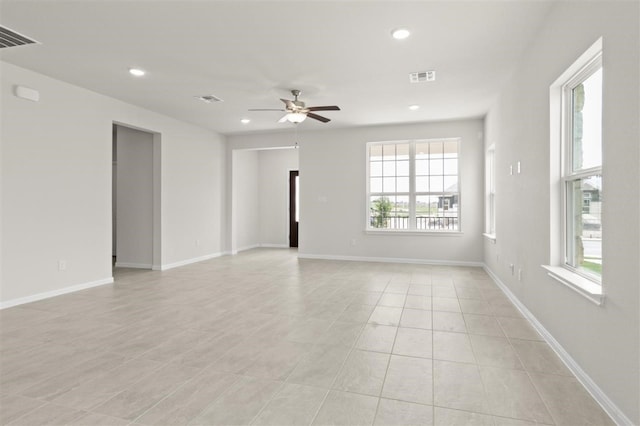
column 490, row 237
column 577, row 283
column 397, row 232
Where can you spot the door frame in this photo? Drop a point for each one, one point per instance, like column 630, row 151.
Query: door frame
column 293, row 201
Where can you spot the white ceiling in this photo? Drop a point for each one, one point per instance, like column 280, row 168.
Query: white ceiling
column 250, row 53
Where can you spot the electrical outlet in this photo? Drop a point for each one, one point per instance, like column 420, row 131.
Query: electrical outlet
column 518, row 167
column 62, row 265
column 519, row 274
column 511, row 170
column 511, row 268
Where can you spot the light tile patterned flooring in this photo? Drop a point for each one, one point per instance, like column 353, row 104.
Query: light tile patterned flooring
column 265, row 338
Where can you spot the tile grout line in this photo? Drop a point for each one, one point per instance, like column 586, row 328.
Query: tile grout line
column 386, row 372
column 344, row 362
column 284, row 382
column 433, row 364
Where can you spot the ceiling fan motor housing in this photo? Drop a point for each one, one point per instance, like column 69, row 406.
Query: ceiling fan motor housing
column 297, row 110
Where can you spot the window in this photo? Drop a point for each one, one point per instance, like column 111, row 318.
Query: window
column 582, row 170
column 413, row 185
column 490, row 193
column 576, row 196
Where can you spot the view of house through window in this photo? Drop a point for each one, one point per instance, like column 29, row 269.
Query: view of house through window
column 413, row 185
column 583, row 172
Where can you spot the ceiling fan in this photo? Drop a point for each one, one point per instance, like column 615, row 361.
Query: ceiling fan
column 297, row 112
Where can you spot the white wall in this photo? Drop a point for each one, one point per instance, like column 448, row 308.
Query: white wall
column 273, row 183
column 246, row 201
column 134, row 198
column 603, row 340
column 333, row 200
column 252, row 141
column 56, row 186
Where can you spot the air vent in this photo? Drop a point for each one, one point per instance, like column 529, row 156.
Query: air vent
column 422, row 76
column 209, row 98
column 10, row 38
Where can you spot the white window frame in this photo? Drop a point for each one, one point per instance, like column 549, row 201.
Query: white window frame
column 569, row 176
column 490, row 194
column 561, row 172
column 412, row 194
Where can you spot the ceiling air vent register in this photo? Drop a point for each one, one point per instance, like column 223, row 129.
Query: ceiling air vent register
column 422, row 76
column 10, row 38
column 208, row 98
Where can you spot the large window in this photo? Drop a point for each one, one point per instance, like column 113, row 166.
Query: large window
column 413, row 185
column 582, row 170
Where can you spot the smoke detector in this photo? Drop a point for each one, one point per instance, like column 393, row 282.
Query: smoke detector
column 422, row 76
column 209, row 98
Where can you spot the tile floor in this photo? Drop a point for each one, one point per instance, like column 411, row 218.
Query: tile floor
column 264, row 338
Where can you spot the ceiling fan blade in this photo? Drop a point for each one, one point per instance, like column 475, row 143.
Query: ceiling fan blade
column 324, row 108
column 318, row 117
column 266, row 109
column 283, row 119
column 288, row 103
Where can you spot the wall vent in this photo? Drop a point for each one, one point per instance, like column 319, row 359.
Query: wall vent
column 10, row 38
column 422, row 76
column 209, row 98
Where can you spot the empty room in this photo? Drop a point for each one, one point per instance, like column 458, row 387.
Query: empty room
column 319, row 212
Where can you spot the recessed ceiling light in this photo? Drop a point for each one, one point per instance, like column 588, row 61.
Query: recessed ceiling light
column 414, row 107
column 245, row 121
column 137, row 72
column 400, row 33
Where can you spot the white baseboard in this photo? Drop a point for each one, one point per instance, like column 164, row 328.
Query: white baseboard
column 601, row 398
column 186, row 262
column 269, row 245
column 133, row 265
column 238, row 250
column 390, row 260
column 53, row 293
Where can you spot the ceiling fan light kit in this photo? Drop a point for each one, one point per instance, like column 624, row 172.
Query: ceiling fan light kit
column 296, row 117
column 297, row 111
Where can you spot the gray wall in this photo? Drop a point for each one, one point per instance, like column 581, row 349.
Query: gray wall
column 57, row 179
column 333, row 201
column 260, row 197
column 603, row 340
column 245, row 203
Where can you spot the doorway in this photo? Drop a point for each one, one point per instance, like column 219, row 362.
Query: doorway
column 294, row 209
column 134, row 184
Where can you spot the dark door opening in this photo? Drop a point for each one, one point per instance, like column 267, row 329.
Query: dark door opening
column 293, row 208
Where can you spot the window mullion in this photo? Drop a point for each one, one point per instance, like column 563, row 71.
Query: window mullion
column 412, row 185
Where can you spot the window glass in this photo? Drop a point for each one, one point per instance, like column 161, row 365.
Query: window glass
column 436, row 167
column 388, row 184
column 375, row 168
column 585, row 224
column 414, row 185
column 375, row 153
column 422, row 167
column 389, row 168
column 582, row 174
column 587, row 122
column 402, row 168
